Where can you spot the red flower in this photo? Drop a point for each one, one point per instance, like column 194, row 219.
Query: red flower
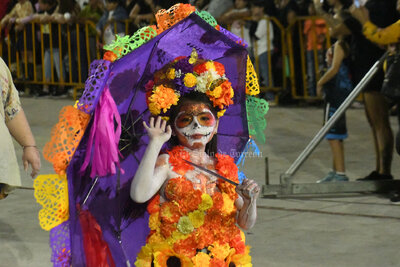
column 176, row 159
column 227, row 167
column 200, row 68
column 220, row 69
column 154, row 204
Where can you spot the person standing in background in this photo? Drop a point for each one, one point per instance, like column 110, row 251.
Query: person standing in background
column 364, row 55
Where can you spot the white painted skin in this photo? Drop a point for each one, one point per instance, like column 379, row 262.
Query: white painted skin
column 154, row 170
column 195, row 129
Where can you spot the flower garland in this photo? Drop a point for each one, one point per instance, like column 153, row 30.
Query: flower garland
column 184, row 75
column 193, row 227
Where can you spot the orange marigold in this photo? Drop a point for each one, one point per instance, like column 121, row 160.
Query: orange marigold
column 176, row 159
column 169, row 212
column 238, row 244
column 215, row 262
column 167, row 229
column 163, row 98
column 154, row 204
column 224, row 96
column 186, row 246
column 178, row 189
column 190, row 201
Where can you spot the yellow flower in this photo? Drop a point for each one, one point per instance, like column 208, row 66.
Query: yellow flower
column 155, row 238
column 201, row 259
column 229, row 205
column 210, row 65
column 185, row 226
column 221, row 113
column 166, row 118
column 216, row 92
column 197, row 218
column 206, row 202
column 171, row 73
column 190, row 80
column 154, row 222
column 153, row 109
column 220, row 251
column 176, row 236
column 242, row 259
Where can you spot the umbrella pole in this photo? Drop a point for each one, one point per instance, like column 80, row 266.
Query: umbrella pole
column 286, row 187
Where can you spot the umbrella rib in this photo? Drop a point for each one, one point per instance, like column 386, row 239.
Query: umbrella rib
column 141, row 79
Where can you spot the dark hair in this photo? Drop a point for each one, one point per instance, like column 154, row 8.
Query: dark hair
column 197, row 97
column 259, row 3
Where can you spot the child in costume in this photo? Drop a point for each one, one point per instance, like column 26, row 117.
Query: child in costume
column 193, row 215
column 98, row 224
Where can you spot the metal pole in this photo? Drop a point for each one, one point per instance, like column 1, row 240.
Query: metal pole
column 318, row 137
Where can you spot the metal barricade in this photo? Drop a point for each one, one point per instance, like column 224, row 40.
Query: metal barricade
column 74, row 45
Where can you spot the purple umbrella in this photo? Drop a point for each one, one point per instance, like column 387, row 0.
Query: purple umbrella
column 124, row 223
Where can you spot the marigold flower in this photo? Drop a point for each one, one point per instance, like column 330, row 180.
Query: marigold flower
column 186, row 246
column 206, row 202
column 154, row 204
column 171, row 73
column 162, row 99
column 177, row 155
column 185, row 226
column 154, row 221
column 201, row 259
column 190, row 80
column 219, row 251
column 197, row 218
column 169, row 212
column 229, row 204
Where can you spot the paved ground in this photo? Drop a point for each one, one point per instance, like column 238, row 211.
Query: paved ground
column 351, row 230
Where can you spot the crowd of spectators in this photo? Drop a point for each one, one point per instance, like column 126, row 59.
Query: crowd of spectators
column 255, row 20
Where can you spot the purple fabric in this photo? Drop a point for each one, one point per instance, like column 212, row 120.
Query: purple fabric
column 60, row 245
column 123, row 222
column 98, row 73
column 233, row 37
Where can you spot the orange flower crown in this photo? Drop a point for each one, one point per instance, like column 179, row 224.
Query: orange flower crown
column 184, row 75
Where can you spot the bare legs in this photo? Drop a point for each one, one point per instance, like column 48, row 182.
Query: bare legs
column 377, row 111
column 337, row 149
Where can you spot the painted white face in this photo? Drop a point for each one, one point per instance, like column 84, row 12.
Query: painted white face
column 195, row 125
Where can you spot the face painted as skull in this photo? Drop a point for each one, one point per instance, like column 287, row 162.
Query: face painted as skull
column 195, row 125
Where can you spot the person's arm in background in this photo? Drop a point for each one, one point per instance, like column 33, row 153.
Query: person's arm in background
column 20, row 130
column 18, row 126
column 388, row 35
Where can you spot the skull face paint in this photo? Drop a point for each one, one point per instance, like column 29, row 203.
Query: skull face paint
column 195, row 125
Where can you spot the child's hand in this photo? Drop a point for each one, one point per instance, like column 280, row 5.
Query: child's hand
column 158, row 131
column 248, row 189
